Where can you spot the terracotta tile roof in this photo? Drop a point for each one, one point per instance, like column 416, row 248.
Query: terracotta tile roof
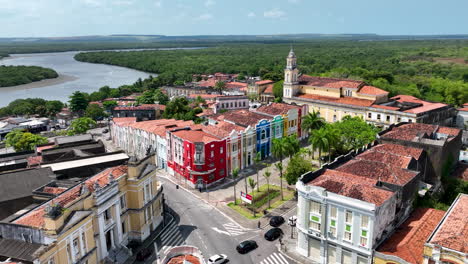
column 399, row 150
column 124, row 121
column 184, row 259
column 339, row 100
column 461, row 171
column 410, row 131
column 378, row 171
column 277, row 108
column 268, row 89
column 464, row 109
column 452, row 233
column 426, row 106
column 386, row 157
column 241, row 117
column 352, row 186
column 54, row 190
column 233, row 85
column 222, row 129
column 195, row 136
column 385, row 107
column 41, row 148
column 35, row 217
column 329, row 82
column 371, row 90
column 34, row 160
column 408, row 241
column 264, row 82
column 208, row 83
column 206, row 112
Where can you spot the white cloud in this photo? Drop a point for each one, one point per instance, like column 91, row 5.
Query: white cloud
column 209, row 3
column 158, row 3
column 274, row 13
column 251, row 14
column 206, row 16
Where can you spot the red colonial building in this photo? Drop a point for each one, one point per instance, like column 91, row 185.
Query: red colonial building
column 197, row 156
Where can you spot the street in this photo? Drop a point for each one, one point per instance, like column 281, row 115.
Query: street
column 201, row 225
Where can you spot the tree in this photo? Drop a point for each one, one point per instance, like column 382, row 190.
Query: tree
column 220, row 86
column 279, row 167
column 109, row 105
column 95, row 112
column 332, row 136
column 267, row 175
column 235, row 173
column 23, row 141
column 296, row 167
column 199, row 100
column 313, row 121
column 53, row 107
column 146, row 98
column 241, row 77
column 252, row 184
column 179, row 109
column 319, row 140
column 160, row 97
column 81, row 125
column 78, row 102
column 292, row 145
column 278, row 89
column 258, row 162
column 354, row 133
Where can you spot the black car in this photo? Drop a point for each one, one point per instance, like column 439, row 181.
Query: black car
column 246, row 246
column 144, row 254
column 273, row 234
column 276, row 221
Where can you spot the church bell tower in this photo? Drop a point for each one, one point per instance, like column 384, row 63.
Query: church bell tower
column 291, row 84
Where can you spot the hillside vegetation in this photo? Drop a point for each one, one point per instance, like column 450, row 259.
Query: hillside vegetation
column 401, row 67
column 16, row 75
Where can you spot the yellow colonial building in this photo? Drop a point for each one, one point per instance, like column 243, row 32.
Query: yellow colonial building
column 335, row 98
column 90, row 222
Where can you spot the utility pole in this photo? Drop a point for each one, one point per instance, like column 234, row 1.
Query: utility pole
column 292, row 222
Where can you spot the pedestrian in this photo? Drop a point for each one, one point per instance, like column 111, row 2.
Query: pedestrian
column 258, row 224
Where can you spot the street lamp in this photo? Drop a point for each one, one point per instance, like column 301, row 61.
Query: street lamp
column 292, row 222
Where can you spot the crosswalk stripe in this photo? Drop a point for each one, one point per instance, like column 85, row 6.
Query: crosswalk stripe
column 283, row 258
column 169, row 233
column 273, row 258
column 173, row 239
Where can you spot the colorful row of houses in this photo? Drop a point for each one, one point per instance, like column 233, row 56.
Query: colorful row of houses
column 206, row 153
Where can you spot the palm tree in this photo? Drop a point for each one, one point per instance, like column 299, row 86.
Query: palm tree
column 332, row 135
column 252, row 184
column 235, row 173
column 267, row 175
column 278, row 148
column 279, row 166
column 319, row 140
column 257, row 161
column 313, row 121
column 292, row 145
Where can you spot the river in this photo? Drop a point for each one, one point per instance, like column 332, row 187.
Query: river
column 73, row 76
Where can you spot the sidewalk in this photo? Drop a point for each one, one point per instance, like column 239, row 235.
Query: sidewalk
column 288, row 247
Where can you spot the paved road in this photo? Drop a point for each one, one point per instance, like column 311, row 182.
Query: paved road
column 201, row 225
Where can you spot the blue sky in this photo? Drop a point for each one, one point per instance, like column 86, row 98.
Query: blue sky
column 48, row 18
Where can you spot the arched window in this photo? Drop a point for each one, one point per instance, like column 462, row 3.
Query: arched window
column 263, row 135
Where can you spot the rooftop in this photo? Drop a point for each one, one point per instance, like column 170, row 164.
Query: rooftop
column 21, row 183
column 141, row 107
column 408, row 241
column 222, row 129
column 371, row 90
column 386, row 157
column 124, row 121
column 409, row 131
column 352, row 186
column 264, row 82
column 93, row 160
column 452, row 232
column 338, row 100
column 378, row 170
column 399, row 150
column 240, row 117
column 35, row 217
column 277, row 108
column 425, row 106
column 329, row 82
column 195, row 136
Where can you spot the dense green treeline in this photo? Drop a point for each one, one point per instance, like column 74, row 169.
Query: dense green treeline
column 16, row 75
column 401, row 67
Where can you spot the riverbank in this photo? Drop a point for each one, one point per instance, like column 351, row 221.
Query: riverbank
column 43, row 83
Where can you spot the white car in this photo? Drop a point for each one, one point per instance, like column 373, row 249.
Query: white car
column 217, row 259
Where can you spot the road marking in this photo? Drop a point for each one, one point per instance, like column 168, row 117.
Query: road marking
column 221, row 231
column 275, row 258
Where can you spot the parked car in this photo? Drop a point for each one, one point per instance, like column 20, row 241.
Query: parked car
column 217, row 259
column 246, row 246
column 273, row 234
column 276, row 221
column 143, row 254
